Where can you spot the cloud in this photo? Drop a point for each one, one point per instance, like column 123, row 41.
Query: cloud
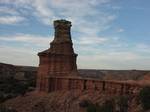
column 17, row 3
column 142, row 47
column 22, row 49
column 78, row 11
column 114, row 60
column 6, row 10
column 11, row 19
column 120, row 30
column 89, row 19
column 90, row 56
column 90, row 40
column 34, row 40
column 9, row 16
column 18, row 56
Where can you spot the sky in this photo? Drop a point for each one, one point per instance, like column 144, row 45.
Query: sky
column 107, row 34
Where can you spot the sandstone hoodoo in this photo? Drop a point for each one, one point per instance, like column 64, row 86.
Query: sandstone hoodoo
column 59, row 60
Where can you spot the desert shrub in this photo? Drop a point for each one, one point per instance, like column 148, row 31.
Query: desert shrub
column 84, row 103
column 108, row 106
column 39, row 107
column 5, row 109
column 32, row 83
column 91, row 108
column 20, row 88
column 144, row 97
column 11, row 87
column 1, row 97
column 122, row 102
column 4, row 97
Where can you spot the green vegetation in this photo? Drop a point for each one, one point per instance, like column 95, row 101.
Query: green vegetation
column 115, row 104
column 4, row 109
column 108, row 106
column 91, row 108
column 122, row 102
column 144, row 97
column 11, row 87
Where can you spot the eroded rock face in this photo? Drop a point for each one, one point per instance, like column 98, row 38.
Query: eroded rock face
column 65, row 101
column 59, row 60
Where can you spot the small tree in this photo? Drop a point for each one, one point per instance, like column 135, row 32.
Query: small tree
column 123, row 103
column 5, row 109
column 144, row 97
column 1, row 97
column 108, row 106
column 91, row 108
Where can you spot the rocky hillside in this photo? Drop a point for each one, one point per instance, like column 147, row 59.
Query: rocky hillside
column 7, row 70
column 22, row 73
column 69, row 101
column 15, row 80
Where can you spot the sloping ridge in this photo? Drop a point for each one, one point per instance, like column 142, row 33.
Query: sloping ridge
column 59, row 101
